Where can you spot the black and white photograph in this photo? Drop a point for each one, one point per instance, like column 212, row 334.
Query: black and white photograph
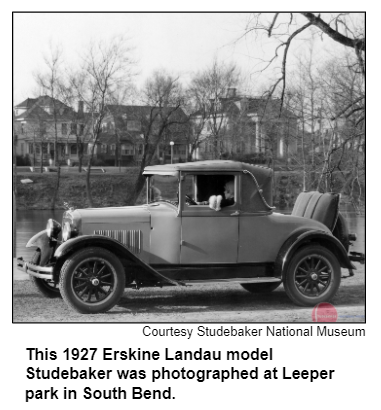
column 188, row 167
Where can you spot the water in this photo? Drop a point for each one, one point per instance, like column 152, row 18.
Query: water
column 28, row 223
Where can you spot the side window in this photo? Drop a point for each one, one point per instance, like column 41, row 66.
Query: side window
column 205, row 190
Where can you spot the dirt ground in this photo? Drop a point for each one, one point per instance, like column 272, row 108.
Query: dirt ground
column 198, row 303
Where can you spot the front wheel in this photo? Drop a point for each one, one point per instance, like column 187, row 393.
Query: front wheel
column 313, row 276
column 46, row 288
column 92, row 280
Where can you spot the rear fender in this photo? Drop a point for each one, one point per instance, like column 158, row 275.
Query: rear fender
column 300, row 239
column 45, row 244
column 75, row 244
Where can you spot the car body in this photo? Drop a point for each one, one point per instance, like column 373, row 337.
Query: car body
column 177, row 239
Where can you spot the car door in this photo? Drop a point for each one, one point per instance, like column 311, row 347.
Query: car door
column 207, row 236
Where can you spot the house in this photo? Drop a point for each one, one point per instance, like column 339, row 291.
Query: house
column 234, row 125
column 126, row 132
column 127, row 128
column 36, row 122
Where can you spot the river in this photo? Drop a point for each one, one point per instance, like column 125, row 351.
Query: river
column 28, row 223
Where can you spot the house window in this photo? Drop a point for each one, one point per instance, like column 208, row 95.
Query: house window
column 73, row 149
column 30, row 148
column 22, row 128
column 127, row 149
column 112, row 149
column 104, row 149
column 64, row 128
column 140, row 149
column 81, row 129
column 73, row 128
column 22, row 148
column 38, row 150
column 134, row 125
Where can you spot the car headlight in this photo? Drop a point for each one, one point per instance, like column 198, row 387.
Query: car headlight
column 53, row 228
column 66, row 233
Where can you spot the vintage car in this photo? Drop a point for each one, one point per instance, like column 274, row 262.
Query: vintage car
column 177, row 239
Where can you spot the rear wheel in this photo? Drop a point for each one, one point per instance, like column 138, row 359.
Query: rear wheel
column 260, row 287
column 92, row 280
column 46, row 288
column 313, row 276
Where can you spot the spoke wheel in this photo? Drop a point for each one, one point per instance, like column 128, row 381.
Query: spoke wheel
column 313, row 276
column 92, row 280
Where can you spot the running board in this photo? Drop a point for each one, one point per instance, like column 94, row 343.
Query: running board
column 234, row 280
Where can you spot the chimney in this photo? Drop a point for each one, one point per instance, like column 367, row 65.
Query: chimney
column 80, row 107
column 231, row 92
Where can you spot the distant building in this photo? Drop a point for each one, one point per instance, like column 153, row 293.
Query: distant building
column 120, row 142
column 34, row 127
column 238, row 125
column 125, row 127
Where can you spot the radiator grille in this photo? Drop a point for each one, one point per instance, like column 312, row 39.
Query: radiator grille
column 132, row 239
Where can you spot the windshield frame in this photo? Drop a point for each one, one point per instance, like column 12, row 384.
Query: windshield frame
column 150, row 178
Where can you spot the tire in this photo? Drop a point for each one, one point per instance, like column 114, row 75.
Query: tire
column 313, row 276
column 46, row 288
column 92, row 280
column 260, row 288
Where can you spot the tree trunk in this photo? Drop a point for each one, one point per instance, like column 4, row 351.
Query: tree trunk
column 56, row 188
column 41, row 158
column 139, row 185
column 88, row 185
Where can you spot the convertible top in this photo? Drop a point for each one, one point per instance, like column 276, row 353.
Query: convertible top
column 215, row 165
column 256, row 181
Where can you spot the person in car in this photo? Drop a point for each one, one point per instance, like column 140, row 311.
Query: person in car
column 217, row 202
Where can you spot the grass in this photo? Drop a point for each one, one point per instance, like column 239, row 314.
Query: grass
column 109, row 189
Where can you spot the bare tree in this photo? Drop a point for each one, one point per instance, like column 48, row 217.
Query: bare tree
column 346, row 29
column 50, row 84
column 104, row 79
column 208, row 91
column 160, row 118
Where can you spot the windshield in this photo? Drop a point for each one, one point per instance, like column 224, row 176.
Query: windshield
column 163, row 188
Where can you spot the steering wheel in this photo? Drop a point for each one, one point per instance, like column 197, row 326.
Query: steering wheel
column 189, row 200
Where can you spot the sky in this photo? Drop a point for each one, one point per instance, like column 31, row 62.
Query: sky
column 181, row 43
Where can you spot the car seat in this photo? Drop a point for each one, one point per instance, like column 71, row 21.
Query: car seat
column 320, row 207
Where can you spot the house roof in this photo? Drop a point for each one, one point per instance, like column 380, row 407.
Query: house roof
column 123, row 113
column 254, row 105
column 27, row 103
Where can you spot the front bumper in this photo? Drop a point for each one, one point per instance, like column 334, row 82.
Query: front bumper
column 42, row 272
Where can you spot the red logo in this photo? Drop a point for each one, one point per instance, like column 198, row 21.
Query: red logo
column 324, row 312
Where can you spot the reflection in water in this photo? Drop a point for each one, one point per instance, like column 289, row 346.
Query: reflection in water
column 31, row 222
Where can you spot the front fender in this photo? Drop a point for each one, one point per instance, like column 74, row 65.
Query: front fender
column 45, row 244
column 112, row 245
column 301, row 238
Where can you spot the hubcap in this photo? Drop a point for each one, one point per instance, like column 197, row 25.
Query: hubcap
column 93, row 280
column 313, row 275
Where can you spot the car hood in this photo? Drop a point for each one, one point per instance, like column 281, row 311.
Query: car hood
column 114, row 218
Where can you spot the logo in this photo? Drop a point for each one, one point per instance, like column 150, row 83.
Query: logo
column 324, row 312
